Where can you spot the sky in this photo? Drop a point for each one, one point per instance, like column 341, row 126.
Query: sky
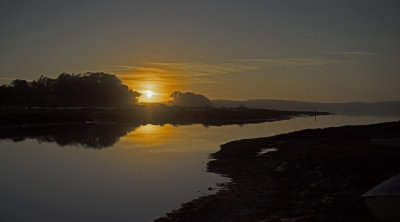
column 309, row 50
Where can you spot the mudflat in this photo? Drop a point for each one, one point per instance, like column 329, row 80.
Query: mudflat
column 308, row 175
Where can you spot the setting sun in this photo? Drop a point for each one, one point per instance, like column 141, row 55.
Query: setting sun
column 149, row 93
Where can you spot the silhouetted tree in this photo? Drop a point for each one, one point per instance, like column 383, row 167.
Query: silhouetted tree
column 18, row 83
column 89, row 89
column 189, row 99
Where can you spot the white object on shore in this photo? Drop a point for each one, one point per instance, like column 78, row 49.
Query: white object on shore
column 267, row 150
column 383, row 200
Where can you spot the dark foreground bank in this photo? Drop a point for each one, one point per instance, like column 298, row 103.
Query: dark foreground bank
column 315, row 175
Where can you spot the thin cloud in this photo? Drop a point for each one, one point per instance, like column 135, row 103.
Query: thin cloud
column 178, row 71
column 205, row 69
column 200, row 72
column 290, row 62
column 361, row 53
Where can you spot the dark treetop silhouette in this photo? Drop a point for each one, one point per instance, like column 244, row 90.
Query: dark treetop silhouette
column 190, row 99
column 89, row 89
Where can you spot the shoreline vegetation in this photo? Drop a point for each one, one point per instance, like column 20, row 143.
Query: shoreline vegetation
column 69, row 90
column 102, row 97
column 142, row 114
column 308, row 175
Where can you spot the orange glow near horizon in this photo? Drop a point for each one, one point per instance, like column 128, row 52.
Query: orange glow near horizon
column 150, row 96
column 151, row 91
column 154, row 85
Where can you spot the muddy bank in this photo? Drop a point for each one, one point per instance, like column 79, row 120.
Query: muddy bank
column 315, row 175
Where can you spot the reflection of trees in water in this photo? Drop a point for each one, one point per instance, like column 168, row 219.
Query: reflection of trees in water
column 106, row 135
column 89, row 135
column 92, row 135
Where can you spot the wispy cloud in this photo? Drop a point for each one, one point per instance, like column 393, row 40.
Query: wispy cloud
column 290, row 62
column 201, row 69
column 164, row 77
column 361, row 53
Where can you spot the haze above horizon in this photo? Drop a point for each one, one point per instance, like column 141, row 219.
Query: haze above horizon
column 320, row 51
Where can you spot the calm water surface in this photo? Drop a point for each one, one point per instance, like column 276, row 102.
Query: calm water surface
column 144, row 174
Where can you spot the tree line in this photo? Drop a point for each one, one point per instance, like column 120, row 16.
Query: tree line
column 88, row 89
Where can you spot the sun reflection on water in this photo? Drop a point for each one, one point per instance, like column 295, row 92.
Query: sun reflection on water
column 152, row 135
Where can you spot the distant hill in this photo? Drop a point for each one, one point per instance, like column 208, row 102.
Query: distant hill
column 350, row 108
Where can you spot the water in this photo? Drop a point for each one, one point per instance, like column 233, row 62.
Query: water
column 115, row 173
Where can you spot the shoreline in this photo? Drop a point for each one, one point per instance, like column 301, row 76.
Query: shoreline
column 14, row 116
column 101, row 134
column 314, row 175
